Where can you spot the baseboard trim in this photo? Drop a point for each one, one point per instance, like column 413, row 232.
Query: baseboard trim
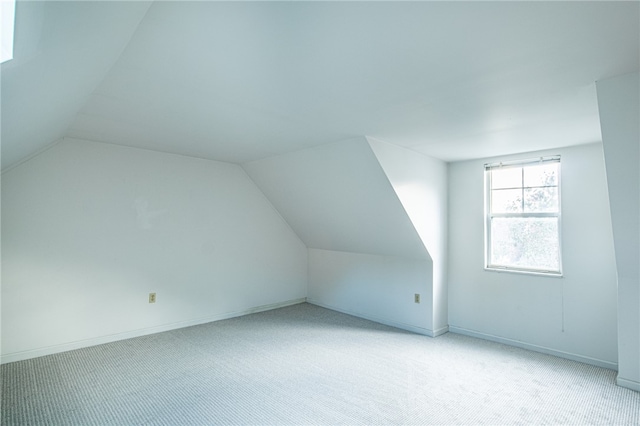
column 629, row 384
column 391, row 323
column 440, row 331
column 49, row 350
column 536, row 348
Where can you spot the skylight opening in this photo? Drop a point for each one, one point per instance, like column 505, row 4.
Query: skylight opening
column 7, row 20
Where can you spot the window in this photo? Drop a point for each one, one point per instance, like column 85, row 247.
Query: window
column 7, row 18
column 522, row 206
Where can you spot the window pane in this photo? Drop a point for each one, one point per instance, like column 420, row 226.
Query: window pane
column 530, row 243
column 541, row 200
column 541, row 175
column 510, row 177
column 506, row 201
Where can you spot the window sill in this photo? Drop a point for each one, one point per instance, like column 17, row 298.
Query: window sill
column 524, row 272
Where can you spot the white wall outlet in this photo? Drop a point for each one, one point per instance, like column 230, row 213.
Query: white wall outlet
column 152, row 298
column 416, row 298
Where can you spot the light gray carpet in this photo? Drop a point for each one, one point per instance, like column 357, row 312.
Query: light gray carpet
column 308, row 365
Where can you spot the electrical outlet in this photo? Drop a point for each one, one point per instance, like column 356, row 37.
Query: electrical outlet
column 152, row 298
column 416, row 298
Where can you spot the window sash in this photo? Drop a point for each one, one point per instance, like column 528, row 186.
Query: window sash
column 525, row 215
column 529, row 260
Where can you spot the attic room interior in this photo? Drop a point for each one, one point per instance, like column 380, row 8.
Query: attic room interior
column 317, row 188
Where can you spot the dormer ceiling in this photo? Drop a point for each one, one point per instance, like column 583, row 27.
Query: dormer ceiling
column 241, row 81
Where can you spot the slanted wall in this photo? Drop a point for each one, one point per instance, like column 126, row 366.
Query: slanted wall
column 421, row 185
column 365, row 256
column 619, row 107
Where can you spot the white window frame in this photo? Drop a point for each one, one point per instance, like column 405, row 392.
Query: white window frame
column 489, row 215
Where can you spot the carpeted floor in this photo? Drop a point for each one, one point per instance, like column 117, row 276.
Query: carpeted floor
column 308, row 365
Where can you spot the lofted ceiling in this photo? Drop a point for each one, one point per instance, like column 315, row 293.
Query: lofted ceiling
column 241, row 81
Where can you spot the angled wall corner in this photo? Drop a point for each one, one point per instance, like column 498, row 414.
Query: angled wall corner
column 337, row 197
column 619, row 107
column 365, row 256
column 421, row 185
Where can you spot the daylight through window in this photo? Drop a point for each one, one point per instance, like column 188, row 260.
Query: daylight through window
column 7, row 19
column 522, row 204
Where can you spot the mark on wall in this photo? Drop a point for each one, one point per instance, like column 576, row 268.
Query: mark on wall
column 144, row 216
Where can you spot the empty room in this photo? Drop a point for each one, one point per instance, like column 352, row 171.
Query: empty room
column 324, row 213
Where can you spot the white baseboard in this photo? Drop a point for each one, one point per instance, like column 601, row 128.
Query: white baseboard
column 440, row 331
column 629, row 384
column 34, row 353
column 529, row 346
column 396, row 324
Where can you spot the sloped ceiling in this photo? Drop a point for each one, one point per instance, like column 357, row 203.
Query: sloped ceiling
column 62, row 52
column 237, row 81
column 337, row 197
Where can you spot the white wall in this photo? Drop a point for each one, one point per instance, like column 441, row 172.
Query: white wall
column 379, row 288
column 421, row 185
column 365, row 255
column 619, row 106
column 89, row 229
column 573, row 316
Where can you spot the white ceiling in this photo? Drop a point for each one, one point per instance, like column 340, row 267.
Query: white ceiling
column 236, row 81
